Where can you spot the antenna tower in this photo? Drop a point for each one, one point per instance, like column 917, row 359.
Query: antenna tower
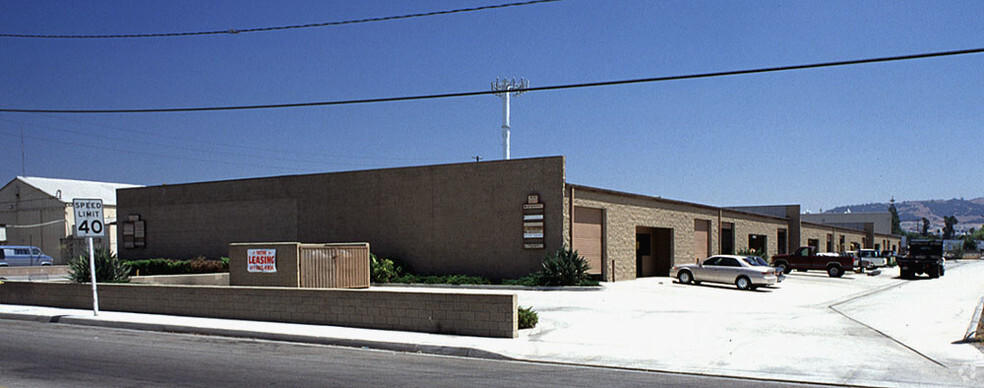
column 507, row 87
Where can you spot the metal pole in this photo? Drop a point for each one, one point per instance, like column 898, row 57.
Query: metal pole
column 92, row 272
column 505, row 126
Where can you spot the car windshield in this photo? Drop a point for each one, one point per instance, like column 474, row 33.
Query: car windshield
column 755, row 261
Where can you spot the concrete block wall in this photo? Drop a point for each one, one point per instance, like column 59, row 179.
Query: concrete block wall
column 485, row 315
column 623, row 212
column 817, row 231
column 446, row 219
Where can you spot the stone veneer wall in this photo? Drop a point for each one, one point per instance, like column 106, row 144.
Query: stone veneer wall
column 623, row 212
column 464, row 218
column 484, row 315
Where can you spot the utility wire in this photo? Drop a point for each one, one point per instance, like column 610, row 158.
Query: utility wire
column 533, row 89
column 130, row 131
column 234, row 31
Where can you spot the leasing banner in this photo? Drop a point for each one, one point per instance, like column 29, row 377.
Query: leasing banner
column 261, row 260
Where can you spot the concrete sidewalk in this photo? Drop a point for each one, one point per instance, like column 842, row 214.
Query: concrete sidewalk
column 856, row 330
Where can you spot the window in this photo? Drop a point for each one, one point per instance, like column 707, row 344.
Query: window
column 22, row 251
column 713, row 261
column 35, row 251
column 730, row 262
column 813, row 242
column 755, row 261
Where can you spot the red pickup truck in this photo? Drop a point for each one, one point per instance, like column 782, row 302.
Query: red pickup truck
column 807, row 259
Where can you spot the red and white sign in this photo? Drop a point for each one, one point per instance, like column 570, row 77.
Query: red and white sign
column 261, row 260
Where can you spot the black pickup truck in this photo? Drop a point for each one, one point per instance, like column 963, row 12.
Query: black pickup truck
column 924, row 257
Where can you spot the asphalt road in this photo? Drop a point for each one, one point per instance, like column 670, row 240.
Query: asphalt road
column 34, row 354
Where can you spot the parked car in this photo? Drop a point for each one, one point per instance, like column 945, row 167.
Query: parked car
column 745, row 272
column 806, row 259
column 22, row 255
column 874, row 258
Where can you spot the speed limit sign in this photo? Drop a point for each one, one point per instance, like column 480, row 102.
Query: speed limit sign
column 89, row 218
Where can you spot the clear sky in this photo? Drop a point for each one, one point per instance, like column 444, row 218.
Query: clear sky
column 821, row 138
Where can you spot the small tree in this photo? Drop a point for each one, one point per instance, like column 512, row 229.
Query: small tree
column 563, row 268
column 948, row 223
column 109, row 268
column 925, row 226
column 896, row 222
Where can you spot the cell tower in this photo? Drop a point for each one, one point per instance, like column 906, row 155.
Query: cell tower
column 507, row 87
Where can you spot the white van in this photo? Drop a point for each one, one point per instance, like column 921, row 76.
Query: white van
column 22, row 255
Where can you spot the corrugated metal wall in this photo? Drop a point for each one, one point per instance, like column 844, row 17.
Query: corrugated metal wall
column 334, row 265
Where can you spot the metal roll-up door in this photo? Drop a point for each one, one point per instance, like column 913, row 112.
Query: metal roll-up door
column 702, row 241
column 587, row 236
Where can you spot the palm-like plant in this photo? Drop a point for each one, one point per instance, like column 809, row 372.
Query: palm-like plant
column 109, row 268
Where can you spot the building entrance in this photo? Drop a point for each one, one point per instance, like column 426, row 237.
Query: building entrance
column 654, row 251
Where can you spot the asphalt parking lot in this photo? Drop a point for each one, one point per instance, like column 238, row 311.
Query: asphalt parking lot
column 858, row 329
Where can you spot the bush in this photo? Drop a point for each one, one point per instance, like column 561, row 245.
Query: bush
column 109, row 268
column 383, row 270
column 198, row 265
column 527, row 318
column 752, row 252
column 563, row 268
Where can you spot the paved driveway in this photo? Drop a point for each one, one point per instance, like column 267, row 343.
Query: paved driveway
column 858, row 329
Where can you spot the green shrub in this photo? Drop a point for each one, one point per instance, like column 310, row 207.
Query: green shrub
column 527, row 318
column 563, row 268
column 109, row 268
column 198, row 265
column 383, row 270
column 528, row 281
column 752, row 252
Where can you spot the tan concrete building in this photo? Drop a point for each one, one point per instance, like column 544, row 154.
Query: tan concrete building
column 38, row 212
column 496, row 219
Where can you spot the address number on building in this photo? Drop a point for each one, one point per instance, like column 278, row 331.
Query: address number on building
column 89, row 220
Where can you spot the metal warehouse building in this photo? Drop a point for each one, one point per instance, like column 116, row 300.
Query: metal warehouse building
column 496, row 219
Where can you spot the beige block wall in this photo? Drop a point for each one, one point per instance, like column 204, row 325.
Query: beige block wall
column 624, row 212
column 447, row 219
column 485, row 315
column 820, row 232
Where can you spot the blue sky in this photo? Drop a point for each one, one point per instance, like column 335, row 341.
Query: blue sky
column 821, row 138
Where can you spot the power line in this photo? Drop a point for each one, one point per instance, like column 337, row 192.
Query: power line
column 334, row 155
column 234, row 31
column 532, row 89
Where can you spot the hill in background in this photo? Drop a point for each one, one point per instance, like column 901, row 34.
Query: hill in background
column 969, row 213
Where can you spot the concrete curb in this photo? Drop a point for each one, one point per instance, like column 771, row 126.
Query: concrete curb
column 975, row 323
column 357, row 343
column 487, row 287
column 260, row 335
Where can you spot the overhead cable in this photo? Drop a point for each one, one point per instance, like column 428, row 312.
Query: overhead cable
column 235, row 31
column 530, row 89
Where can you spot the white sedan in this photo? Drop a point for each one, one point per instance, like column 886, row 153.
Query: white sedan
column 745, row 272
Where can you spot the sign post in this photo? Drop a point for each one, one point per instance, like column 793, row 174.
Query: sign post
column 89, row 223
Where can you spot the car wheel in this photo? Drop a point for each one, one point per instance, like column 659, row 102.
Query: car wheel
column 743, row 283
column 783, row 268
column 835, row 271
column 933, row 272
column 685, row 277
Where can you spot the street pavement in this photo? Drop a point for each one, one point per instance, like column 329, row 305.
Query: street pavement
column 855, row 330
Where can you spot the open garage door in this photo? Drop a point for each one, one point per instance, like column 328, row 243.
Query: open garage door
column 587, row 236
